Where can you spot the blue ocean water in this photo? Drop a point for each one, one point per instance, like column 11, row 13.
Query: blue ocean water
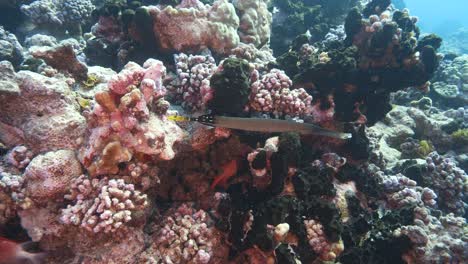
column 440, row 17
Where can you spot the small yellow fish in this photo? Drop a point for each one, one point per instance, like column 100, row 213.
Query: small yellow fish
column 84, row 103
column 178, row 118
column 91, row 81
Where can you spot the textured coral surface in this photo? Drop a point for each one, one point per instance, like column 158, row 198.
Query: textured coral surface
column 126, row 134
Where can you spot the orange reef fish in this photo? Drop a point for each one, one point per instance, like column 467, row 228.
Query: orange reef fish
column 229, row 170
column 12, row 253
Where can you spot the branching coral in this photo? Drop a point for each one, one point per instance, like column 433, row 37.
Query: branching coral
column 273, row 94
column 94, row 167
column 191, row 86
column 102, row 205
column 448, row 181
column 261, row 58
column 187, row 236
column 439, row 239
column 10, row 194
column 319, row 243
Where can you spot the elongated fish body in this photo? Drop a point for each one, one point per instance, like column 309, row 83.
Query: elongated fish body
column 269, row 125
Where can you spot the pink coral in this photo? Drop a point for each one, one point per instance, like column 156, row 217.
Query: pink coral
column 436, row 239
column 49, row 175
column 122, row 124
column 192, row 26
column 19, row 156
column 102, row 205
column 323, row 111
column 38, row 111
column 319, row 243
column 273, row 94
column 188, row 236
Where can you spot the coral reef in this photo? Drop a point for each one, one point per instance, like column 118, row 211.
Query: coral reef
column 61, row 57
column 255, row 21
column 259, row 57
column 192, row 26
column 102, row 205
column 439, row 240
column 19, row 157
column 41, row 110
column 319, row 242
column 49, row 175
column 448, row 181
column 10, row 48
column 187, row 236
column 455, row 42
column 402, row 123
column 10, row 194
column 273, row 94
column 54, row 14
column 113, row 146
column 232, row 80
column 121, row 125
column 376, row 51
column 450, row 83
column 191, row 87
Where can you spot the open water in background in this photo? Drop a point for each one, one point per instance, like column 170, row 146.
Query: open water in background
column 442, row 17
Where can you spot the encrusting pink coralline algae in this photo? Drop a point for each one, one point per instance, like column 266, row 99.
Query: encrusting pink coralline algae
column 122, row 125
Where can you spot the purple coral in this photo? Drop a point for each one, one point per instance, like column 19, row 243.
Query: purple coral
column 102, row 205
column 438, row 240
column 460, row 115
column 59, row 12
column 191, row 87
column 449, row 182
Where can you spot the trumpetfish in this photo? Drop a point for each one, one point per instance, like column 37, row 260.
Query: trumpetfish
column 262, row 125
